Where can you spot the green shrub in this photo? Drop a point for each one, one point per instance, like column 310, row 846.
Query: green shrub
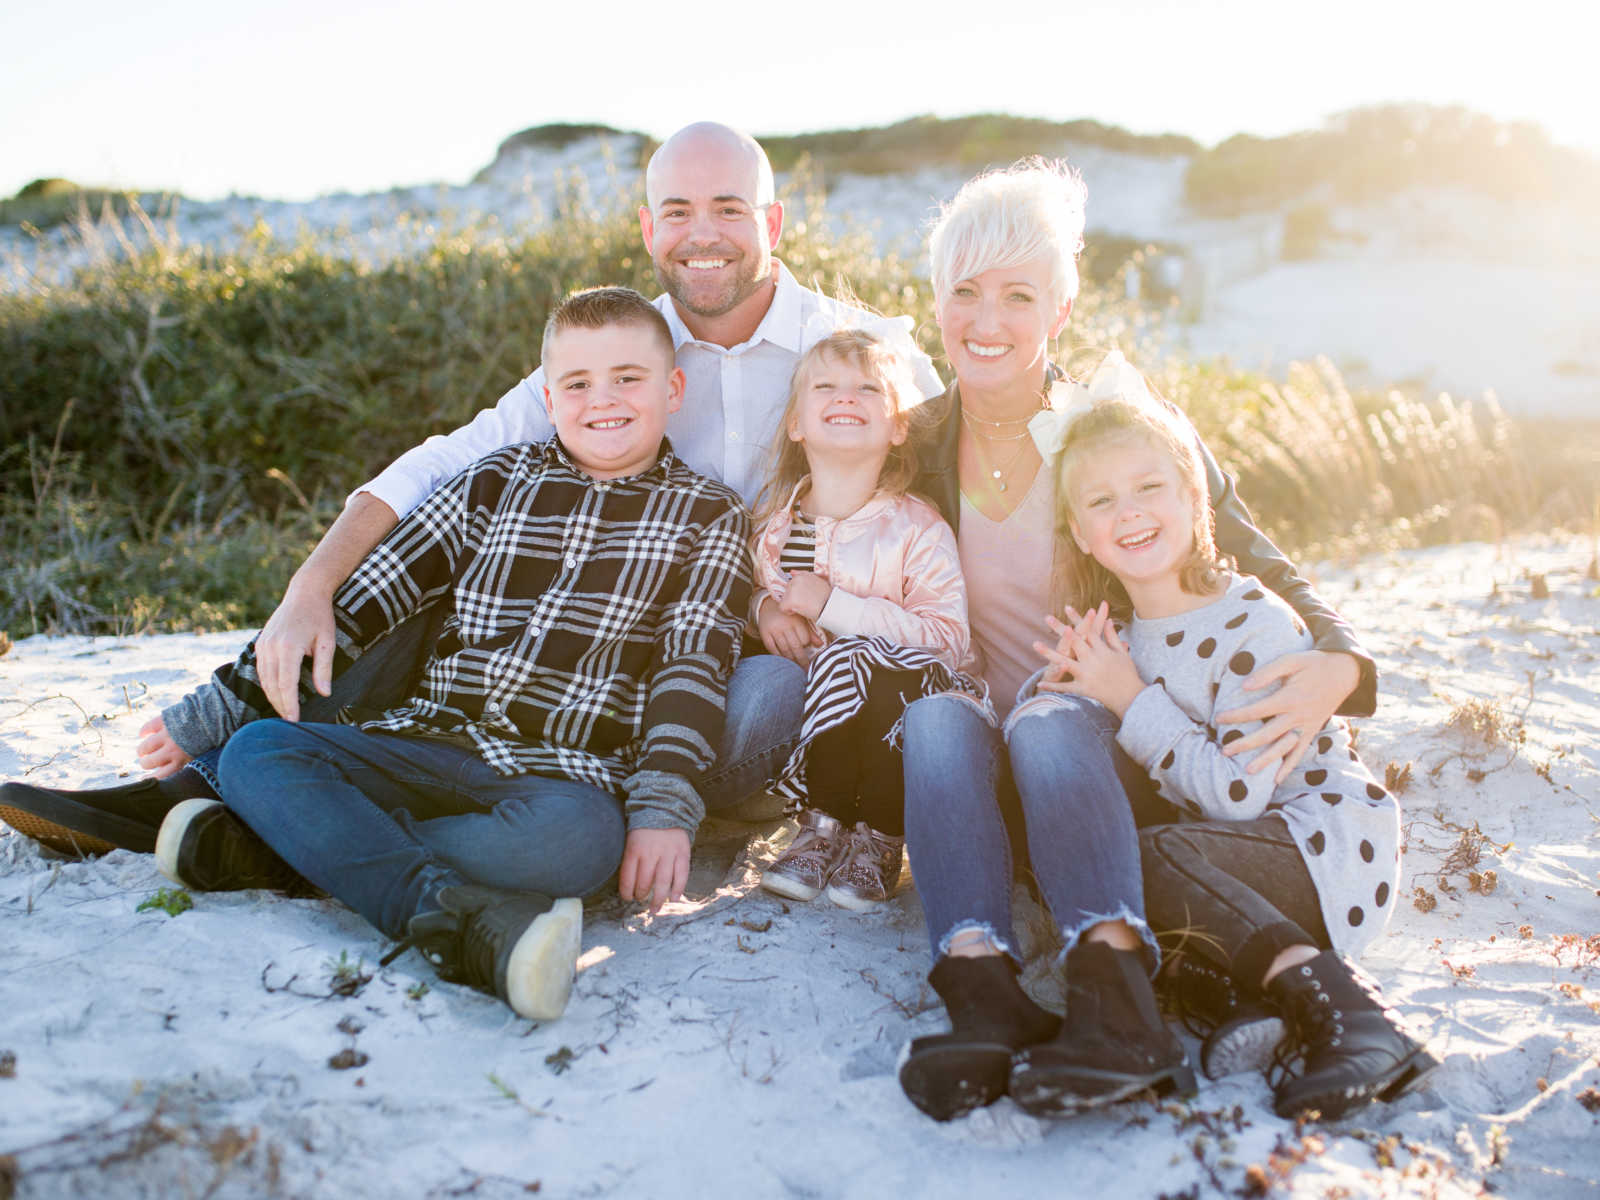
column 177, row 428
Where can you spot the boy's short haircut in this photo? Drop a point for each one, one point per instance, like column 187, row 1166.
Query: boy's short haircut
column 602, row 307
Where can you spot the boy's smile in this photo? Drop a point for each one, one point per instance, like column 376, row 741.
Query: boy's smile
column 608, row 392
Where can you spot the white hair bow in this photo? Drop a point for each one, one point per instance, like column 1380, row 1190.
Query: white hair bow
column 894, row 332
column 1115, row 378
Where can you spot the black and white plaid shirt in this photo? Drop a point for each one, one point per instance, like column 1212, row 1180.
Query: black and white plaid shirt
column 590, row 625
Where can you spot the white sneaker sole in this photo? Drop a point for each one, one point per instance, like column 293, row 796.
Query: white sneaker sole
column 544, row 961
column 793, row 889
column 852, row 901
column 169, row 839
column 1249, row 1047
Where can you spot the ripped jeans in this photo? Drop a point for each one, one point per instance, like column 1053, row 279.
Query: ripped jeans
column 1056, row 757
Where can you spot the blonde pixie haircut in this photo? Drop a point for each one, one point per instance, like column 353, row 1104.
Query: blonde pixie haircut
column 1031, row 209
column 788, row 464
column 1080, row 580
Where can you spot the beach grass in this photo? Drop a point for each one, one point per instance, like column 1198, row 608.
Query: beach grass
column 179, row 424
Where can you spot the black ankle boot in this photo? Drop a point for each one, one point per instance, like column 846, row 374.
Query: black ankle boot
column 991, row 1018
column 1112, row 1044
column 1349, row 1046
column 98, row 820
column 519, row 946
column 1240, row 1029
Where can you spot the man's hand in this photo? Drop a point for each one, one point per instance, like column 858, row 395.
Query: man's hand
column 301, row 625
column 1313, row 685
column 655, row 866
column 158, row 753
column 788, row 634
column 807, row 595
column 1089, row 659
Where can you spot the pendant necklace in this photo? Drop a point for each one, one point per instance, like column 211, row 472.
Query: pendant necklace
column 998, row 474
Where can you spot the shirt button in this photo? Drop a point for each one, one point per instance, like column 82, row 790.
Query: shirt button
column 533, row 630
column 733, row 437
column 491, row 707
column 572, row 563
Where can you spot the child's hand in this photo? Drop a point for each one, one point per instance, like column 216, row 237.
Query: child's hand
column 807, row 594
column 655, row 866
column 788, row 634
column 158, row 753
column 1097, row 662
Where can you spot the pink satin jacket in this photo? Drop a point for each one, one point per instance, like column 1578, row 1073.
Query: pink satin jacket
column 895, row 572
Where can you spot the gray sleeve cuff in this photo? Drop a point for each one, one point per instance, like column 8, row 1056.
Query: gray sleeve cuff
column 205, row 718
column 662, row 800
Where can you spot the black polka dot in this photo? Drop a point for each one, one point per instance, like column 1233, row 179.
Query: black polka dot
column 1316, row 776
column 1238, row 790
column 1161, row 681
column 1367, row 852
column 1255, row 594
column 1242, row 663
column 1211, row 733
column 1381, row 896
column 1353, row 757
column 1324, row 744
column 1376, row 792
column 1317, row 843
column 1356, row 915
column 1331, row 798
column 1233, row 735
column 1206, row 648
column 1174, row 638
column 1167, row 761
column 1193, row 807
column 1235, row 622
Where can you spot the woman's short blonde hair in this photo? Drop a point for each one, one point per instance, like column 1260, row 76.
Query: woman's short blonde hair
column 1030, row 210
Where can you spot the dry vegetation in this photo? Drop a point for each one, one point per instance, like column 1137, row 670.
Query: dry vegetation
column 178, row 425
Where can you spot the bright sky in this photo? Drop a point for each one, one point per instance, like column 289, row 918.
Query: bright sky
column 306, row 96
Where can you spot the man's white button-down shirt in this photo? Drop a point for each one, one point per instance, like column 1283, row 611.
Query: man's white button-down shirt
column 732, row 404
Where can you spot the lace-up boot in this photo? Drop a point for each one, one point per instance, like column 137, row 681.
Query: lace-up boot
column 991, row 1018
column 203, row 846
column 1112, row 1044
column 1344, row 1048
column 868, row 870
column 1239, row 1032
column 519, row 946
column 805, row 868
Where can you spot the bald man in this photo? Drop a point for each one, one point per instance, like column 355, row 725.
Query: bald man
column 710, row 223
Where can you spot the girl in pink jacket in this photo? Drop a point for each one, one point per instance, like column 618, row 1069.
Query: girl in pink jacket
column 861, row 582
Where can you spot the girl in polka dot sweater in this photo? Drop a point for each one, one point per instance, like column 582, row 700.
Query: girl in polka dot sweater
column 1262, row 887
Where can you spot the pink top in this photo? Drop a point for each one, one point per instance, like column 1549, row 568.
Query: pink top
column 1007, row 565
column 895, row 572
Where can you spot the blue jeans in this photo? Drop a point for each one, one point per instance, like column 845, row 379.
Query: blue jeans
column 382, row 821
column 1058, row 759
column 764, row 702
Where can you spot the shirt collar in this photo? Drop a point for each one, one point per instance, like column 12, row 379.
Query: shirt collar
column 555, row 453
column 781, row 326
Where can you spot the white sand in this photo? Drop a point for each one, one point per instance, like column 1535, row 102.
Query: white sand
column 738, row 1045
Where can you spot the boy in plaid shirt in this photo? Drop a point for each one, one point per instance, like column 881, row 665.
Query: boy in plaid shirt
column 593, row 591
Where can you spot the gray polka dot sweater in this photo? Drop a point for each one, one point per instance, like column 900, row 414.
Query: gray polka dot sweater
column 1346, row 825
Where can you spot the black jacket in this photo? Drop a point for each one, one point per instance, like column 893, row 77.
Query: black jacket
column 1237, row 537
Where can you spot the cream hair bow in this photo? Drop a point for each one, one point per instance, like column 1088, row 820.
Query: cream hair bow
column 1115, row 378
column 894, row 332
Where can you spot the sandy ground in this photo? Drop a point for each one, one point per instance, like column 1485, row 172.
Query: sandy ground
column 736, row 1044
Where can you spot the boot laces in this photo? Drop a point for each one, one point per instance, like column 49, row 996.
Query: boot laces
column 1311, row 1025
column 1191, row 977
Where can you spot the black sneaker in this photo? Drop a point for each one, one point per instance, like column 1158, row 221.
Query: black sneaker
column 97, row 820
column 519, row 946
column 1239, row 1031
column 205, row 847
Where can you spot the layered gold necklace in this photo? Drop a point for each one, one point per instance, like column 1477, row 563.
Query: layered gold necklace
column 998, row 472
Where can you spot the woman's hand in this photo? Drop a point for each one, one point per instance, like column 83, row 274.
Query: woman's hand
column 788, row 634
column 1090, row 660
column 1312, row 685
column 158, row 753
